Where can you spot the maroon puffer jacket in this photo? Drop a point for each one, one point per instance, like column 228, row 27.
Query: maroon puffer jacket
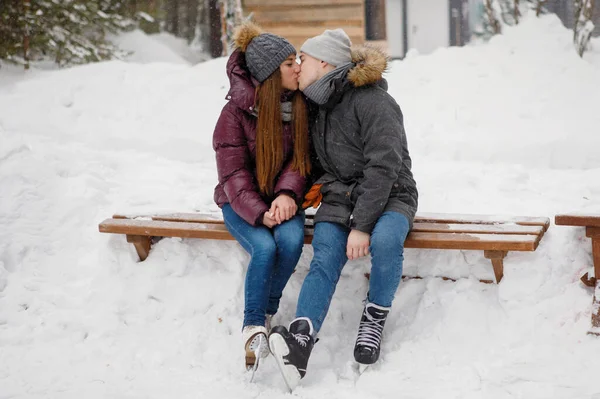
column 234, row 142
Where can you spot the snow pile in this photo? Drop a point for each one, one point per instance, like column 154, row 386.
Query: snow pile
column 160, row 47
column 504, row 128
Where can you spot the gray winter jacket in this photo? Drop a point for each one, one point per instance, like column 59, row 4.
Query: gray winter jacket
column 359, row 141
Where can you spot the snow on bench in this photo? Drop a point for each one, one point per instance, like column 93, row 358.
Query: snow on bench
column 495, row 235
column 591, row 222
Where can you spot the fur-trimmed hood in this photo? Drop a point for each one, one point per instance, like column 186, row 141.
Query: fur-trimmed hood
column 244, row 34
column 371, row 62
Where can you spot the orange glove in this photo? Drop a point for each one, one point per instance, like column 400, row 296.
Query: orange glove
column 313, row 197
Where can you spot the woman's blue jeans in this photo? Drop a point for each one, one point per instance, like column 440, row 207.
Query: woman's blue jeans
column 329, row 244
column 274, row 254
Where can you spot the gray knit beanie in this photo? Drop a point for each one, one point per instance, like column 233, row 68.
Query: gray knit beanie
column 332, row 46
column 264, row 52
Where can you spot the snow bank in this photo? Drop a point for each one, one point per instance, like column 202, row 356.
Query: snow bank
column 505, row 128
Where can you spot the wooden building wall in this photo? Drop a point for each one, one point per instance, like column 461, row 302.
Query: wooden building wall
column 297, row 20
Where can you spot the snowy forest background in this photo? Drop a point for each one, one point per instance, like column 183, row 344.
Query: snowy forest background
column 70, row 32
column 504, row 125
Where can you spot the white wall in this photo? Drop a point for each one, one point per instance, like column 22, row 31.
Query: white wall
column 428, row 25
column 393, row 23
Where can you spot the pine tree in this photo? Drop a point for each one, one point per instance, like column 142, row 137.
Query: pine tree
column 66, row 31
column 12, row 30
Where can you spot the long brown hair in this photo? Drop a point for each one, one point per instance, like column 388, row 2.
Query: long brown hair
column 269, row 133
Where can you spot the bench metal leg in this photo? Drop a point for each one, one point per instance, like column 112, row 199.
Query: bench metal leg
column 141, row 244
column 497, row 258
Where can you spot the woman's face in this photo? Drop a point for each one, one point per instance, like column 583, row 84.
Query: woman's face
column 289, row 73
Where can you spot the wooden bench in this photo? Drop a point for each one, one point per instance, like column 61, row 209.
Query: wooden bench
column 592, row 230
column 494, row 235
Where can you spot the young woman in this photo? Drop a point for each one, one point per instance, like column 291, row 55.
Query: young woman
column 261, row 145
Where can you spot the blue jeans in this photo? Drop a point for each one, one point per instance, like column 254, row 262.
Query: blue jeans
column 274, row 254
column 329, row 244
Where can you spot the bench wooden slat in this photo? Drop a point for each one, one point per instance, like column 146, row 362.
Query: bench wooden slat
column 494, row 242
column 477, row 228
column 495, row 235
column 589, row 220
column 160, row 228
column 423, row 222
column 482, row 219
column 432, row 240
column 426, row 227
column 157, row 228
column 177, row 217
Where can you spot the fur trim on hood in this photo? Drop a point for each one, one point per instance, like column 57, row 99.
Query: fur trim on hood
column 371, row 62
column 244, row 34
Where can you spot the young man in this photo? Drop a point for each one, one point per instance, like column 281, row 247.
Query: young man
column 369, row 196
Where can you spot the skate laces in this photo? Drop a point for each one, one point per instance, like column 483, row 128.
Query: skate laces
column 369, row 331
column 302, row 339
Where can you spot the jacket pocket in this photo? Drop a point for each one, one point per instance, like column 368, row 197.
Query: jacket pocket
column 336, row 192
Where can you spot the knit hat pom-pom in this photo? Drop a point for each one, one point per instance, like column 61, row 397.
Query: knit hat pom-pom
column 244, row 34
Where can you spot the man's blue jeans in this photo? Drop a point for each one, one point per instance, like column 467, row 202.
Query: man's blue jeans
column 274, row 254
column 329, row 244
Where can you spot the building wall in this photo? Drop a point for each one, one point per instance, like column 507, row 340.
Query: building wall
column 394, row 24
column 428, row 25
column 297, row 20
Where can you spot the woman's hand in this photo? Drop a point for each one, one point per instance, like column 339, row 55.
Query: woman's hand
column 358, row 244
column 283, row 208
column 268, row 221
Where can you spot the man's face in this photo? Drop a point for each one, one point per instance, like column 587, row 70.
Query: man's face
column 311, row 70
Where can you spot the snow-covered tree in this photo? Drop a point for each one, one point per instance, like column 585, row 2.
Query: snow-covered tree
column 499, row 13
column 66, row 31
column 231, row 16
column 539, row 6
column 12, row 30
column 582, row 30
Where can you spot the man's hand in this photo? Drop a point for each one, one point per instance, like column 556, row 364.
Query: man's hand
column 268, row 221
column 358, row 244
column 283, row 208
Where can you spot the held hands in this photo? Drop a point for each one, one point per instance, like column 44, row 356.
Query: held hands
column 268, row 221
column 358, row 244
column 282, row 208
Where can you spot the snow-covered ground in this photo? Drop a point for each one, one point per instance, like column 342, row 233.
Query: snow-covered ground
column 160, row 47
column 510, row 127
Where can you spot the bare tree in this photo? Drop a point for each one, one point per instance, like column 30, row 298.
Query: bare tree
column 191, row 19
column 516, row 11
column 491, row 17
column 539, row 7
column 584, row 26
column 27, row 10
column 172, row 21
